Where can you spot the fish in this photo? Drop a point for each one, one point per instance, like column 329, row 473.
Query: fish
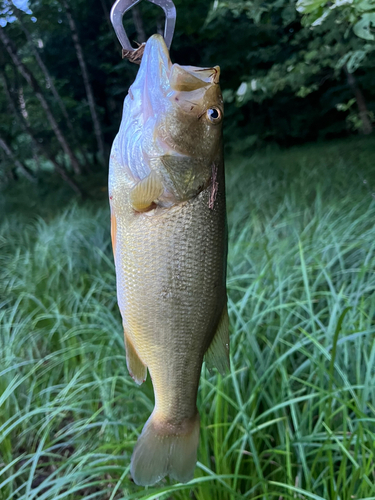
column 169, row 238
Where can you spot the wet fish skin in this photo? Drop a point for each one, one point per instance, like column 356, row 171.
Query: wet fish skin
column 168, row 224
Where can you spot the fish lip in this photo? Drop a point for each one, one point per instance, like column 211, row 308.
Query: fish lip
column 158, row 41
column 156, row 56
column 152, row 82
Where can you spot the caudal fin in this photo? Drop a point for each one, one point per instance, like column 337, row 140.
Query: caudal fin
column 164, row 448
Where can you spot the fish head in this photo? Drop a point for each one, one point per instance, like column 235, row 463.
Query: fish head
column 171, row 124
column 194, row 123
column 182, row 104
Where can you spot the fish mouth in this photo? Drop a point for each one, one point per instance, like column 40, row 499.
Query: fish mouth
column 156, row 63
column 160, row 77
column 152, row 82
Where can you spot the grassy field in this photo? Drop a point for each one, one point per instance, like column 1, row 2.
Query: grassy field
column 295, row 418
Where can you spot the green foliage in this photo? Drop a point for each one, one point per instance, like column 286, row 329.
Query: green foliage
column 358, row 14
column 303, row 57
column 353, row 119
column 295, row 418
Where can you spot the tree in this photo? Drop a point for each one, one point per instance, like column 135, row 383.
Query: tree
column 22, row 168
column 33, row 83
column 309, row 50
column 356, row 17
column 86, row 80
column 24, row 124
column 49, row 80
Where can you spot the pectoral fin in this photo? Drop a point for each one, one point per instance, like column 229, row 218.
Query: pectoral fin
column 137, row 370
column 146, row 192
column 217, row 354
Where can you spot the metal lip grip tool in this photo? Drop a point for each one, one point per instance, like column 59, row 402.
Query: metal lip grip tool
column 121, row 6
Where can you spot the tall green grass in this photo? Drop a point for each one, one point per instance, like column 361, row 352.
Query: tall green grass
column 295, row 418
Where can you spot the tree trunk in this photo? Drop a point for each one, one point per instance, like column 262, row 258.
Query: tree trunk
column 138, row 22
column 38, row 146
column 22, row 104
column 108, row 19
column 49, row 81
column 25, row 171
column 361, row 103
column 86, row 81
column 29, row 77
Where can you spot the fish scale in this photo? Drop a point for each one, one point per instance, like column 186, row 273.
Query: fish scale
column 176, row 304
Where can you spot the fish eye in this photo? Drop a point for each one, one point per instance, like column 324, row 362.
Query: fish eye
column 214, row 115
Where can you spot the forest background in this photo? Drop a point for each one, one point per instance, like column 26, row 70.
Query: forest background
column 292, row 72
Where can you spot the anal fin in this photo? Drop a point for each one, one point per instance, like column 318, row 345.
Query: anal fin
column 146, row 192
column 137, row 370
column 217, row 355
column 113, row 233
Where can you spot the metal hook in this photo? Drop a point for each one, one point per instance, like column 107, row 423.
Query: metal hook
column 121, row 6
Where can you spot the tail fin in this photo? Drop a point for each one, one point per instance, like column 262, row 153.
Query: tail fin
column 164, row 448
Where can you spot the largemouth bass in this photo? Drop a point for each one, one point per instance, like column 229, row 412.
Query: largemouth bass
column 168, row 224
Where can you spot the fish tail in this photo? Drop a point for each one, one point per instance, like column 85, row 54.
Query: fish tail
column 165, row 448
